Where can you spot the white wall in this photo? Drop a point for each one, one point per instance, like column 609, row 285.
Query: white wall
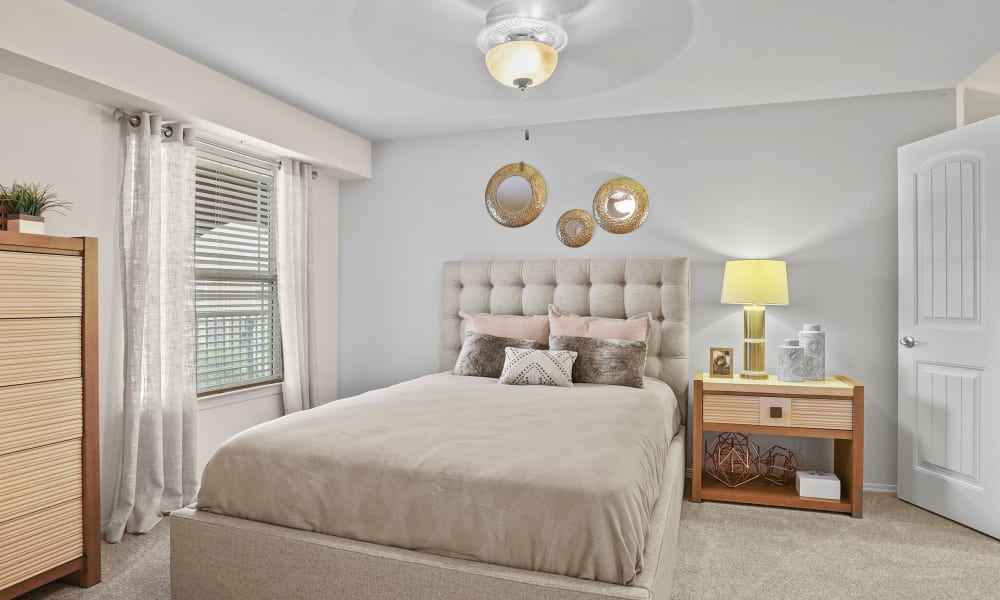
column 64, row 47
column 813, row 183
column 50, row 137
column 976, row 105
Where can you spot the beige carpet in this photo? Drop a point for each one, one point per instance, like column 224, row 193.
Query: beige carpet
column 727, row 551
column 896, row 551
column 136, row 569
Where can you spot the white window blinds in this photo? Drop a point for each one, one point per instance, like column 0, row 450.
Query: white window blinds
column 236, row 297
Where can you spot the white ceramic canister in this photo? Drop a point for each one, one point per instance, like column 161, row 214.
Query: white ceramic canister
column 813, row 342
column 790, row 361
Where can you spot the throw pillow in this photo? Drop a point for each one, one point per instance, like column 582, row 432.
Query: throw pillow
column 538, row 367
column 482, row 355
column 634, row 329
column 508, row 326
column 611, row 362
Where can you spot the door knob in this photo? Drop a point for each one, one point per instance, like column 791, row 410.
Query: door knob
column 907, row 341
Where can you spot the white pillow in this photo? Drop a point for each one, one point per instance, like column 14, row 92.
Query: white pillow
column 538, row 367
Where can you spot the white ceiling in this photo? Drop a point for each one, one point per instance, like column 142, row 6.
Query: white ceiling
column 390, row 69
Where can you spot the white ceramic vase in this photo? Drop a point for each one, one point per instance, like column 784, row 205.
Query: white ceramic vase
column 790, row 361
column 813, row 342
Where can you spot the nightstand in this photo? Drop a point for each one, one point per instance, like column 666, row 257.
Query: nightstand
column 834, row 408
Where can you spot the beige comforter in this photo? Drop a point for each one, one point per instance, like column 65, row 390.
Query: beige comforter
column 560, row 480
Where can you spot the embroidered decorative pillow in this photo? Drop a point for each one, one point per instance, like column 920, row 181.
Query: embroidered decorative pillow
column 508, row 326
column 482, row 355
column 635, row 329
column 611, row 362
column 538, row 367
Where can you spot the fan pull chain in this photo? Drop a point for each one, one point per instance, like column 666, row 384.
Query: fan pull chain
column 524, row 123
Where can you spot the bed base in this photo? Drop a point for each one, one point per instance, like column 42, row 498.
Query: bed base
column 220, row 557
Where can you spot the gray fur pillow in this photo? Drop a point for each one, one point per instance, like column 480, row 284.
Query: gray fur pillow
column 482, row 354
column 611, row 362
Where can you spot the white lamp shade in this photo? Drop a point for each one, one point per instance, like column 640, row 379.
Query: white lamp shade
column 516, row 60
column 755, row 282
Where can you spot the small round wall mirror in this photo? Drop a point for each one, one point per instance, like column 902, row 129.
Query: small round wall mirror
column 575, row 228
column 515, row 195
column 620, row 205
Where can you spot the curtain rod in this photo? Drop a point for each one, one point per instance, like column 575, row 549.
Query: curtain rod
column 168, row 131
column 136, row 120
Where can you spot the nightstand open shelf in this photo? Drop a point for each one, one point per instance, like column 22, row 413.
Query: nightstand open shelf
column 761, row 492
column 832, row 409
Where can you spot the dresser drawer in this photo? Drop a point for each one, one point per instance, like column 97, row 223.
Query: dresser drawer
column 40, row 285
column 37, row 414
column 36, row 350
column 813, row 413
column 40, row 541
column 32, row 480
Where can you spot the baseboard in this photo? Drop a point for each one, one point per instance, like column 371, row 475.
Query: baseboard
column 878, row 488
column 881, row 488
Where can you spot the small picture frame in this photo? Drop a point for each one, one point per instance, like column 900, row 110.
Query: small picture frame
column 720, row 362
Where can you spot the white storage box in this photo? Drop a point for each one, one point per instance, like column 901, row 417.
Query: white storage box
column 817, row 484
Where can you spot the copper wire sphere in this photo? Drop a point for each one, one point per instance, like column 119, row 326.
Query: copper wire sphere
column 778, row 465
column 732, row 458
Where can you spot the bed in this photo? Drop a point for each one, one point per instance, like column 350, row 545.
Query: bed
column 257, row 551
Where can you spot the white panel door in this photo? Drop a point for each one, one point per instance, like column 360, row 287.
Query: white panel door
column 949, row 310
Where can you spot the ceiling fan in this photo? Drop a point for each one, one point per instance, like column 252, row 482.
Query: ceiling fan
column 600, row 45
column 522, row 41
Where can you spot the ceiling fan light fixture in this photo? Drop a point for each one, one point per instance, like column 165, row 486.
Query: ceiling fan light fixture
column 522, row 63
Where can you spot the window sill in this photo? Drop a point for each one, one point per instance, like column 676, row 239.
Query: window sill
column 266, row 390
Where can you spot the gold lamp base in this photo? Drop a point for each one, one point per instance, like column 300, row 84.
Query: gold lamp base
column 753, row 342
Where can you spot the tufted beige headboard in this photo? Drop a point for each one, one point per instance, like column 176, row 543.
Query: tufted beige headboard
column 616, row 287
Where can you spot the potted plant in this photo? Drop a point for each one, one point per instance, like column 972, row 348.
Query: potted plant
column 24, row 205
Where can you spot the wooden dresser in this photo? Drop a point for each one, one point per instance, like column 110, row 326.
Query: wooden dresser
column 50, row 514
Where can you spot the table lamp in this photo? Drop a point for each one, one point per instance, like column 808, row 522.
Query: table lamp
column 754, row 283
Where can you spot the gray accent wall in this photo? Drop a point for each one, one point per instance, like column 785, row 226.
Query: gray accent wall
column 812, row 183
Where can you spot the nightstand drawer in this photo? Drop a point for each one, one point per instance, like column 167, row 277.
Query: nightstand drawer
column 810, row 413
column 739, row 410
column 822, row 413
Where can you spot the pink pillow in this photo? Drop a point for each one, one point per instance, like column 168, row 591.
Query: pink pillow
column 534, row 328
column 635, row 329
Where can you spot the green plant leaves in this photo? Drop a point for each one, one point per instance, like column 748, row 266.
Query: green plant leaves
column 31, row 199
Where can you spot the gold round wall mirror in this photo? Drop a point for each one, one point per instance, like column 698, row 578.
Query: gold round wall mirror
column 515, row 195
column 575, row 228
column 620, row 205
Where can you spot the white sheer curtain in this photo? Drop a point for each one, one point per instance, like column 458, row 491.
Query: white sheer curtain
column 292, row 190
column 159, row 397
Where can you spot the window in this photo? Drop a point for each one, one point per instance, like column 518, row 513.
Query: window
column 236, row 296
